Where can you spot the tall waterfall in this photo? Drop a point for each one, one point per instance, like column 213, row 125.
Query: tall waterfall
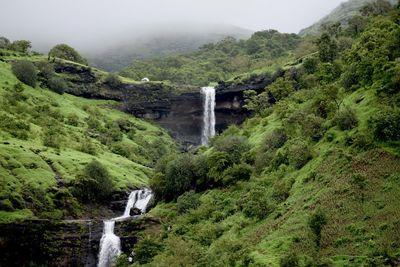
column 208, row 114
column 110, row 244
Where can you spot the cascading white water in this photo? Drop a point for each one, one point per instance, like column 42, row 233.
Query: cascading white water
column 208, row 114
column 110, row 244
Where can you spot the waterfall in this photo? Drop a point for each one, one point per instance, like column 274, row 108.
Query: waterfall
column 110, row 244
column 208, row 114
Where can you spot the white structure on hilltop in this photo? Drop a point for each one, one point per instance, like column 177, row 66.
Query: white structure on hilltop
column 145, row 79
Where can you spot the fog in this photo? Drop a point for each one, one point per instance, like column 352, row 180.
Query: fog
column 90, row 24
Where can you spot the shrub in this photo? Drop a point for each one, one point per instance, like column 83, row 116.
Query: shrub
column 57, row 84
column 256, row 204
column 313, row 127
column 346, row 119
column 72, row 119
column 112, row 80
column 310, row 65
column 187, row 201
column 290, row 260
column 93, row 183
column 236, row 173
column 22, row 46
column 17, row 128
column 46, row 70
column 298, row 154
column 88, row 147
column 52, row 137
column 276, row 139
column 146, row 249
column 25, row 71
column 386, row 125
column 316, row 223
column 66, row 52
column 234, row 145
column 176, row 174
column 281, row 88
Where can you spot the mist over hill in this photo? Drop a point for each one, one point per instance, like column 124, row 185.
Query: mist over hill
column 342, row 14
column 158, row 41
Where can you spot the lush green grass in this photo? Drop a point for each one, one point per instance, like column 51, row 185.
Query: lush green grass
column 24, row 160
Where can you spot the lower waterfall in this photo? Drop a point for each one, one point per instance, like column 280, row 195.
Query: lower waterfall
column 208, row 114
column 110, row 244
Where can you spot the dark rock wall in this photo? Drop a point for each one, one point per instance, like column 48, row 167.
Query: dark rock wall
column 176, row 108
column 62, row 243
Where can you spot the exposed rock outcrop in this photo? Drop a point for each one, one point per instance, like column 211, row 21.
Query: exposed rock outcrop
column 177, row 108
column 62, row 243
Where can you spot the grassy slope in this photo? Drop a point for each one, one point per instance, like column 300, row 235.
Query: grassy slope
column 22, row 161
column 363, row 224
column 356, row 229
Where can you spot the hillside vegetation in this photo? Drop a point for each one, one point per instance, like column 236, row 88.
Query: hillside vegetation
column 56, row 149
column 342, row 15
column 311, row 180
column 219, row 61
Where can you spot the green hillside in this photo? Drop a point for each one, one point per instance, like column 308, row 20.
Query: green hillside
column 48, row 138
column 164, row 40
column 341, row 14
column 312, row 180
column 219, row 61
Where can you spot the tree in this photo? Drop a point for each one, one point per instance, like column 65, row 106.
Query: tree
column 379, row 7
column 64, row 51
column 22, row 46
column 93, row 183
column 57, row 84
column 327, row 48
column 25, row 71
column 256, row 103
column 4, row 43
column 316, row 223
column 281, row 88
column 112, row 80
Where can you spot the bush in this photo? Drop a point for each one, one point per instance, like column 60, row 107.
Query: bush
column 88, row 147
column 52, row 137
column 234, row 145
column 46, row 70
column 236, row 173
column 112, row 80
column 276, row 139
column 17, row 128
column 313, row 127
column 25, row 71
column 72, row 119
column 290, row 260
column 281, row 88
column 346, row 119
column 175, row 175
column 316, row 223
column 146, row 249
column 57, row 84
column 93, row 184
column 256, row 204
column 386, row 125
column 66, row 52
column 187, row 201
column 310, row 65
column 298, row 154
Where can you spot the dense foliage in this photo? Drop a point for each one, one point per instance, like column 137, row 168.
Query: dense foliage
column 25, row 71
column 64, row 51
column 298, row 183
column 215, row 62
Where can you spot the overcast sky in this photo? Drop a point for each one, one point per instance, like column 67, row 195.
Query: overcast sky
column 86, row 20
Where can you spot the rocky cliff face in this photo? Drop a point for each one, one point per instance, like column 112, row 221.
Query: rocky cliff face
column 62, row 243
column 176, row 108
